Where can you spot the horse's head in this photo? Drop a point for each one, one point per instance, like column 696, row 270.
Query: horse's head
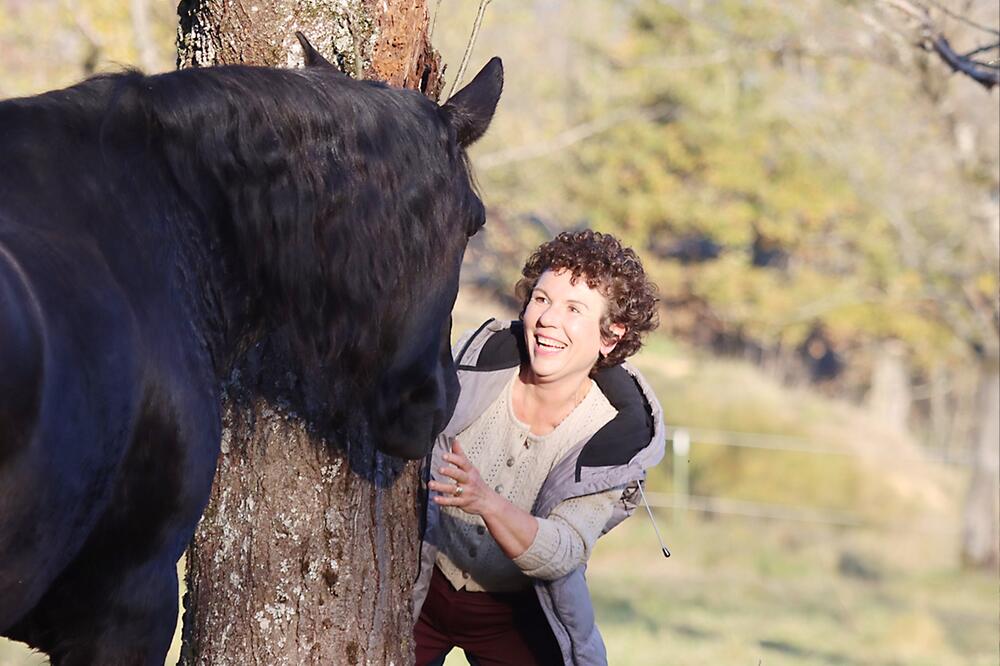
column 418, row 393
column 426, row 189
column 341, row 211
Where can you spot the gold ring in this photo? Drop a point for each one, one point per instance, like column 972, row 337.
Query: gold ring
column 458, row 490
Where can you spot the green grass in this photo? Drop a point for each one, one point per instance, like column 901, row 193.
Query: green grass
column 737, row 591
column 743, row 592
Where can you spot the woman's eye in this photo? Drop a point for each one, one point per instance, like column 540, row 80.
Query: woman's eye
column 539, row 299
column 574, row 309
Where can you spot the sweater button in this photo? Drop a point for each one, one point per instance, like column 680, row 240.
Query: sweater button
column 465, row 574
column 498, row 488
column 510, row 462
column 472, row 552
column 481, row 529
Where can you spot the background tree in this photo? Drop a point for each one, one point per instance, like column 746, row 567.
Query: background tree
column 820, row 202
column 308, row 549
column 961, row 284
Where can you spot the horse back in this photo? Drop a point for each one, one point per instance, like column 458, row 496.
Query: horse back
column 73, row 358
column 66, row 407
column 20, row 358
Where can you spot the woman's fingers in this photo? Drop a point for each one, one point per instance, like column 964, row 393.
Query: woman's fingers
column 458, row 461
column 457, row 456
column 440, row 487
column 456, row 473
column 449, row 495
column 465, row 475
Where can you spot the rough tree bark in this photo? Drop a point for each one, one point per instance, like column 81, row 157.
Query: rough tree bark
column 308, row 548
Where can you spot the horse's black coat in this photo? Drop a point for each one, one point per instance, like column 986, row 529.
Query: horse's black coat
column 151, row 229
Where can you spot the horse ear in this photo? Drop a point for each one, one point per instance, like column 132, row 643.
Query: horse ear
column 310, row 55
column 470, row 110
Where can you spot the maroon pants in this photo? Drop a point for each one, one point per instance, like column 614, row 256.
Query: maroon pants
column 494, row 629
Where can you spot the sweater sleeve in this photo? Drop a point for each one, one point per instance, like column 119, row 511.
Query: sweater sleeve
column 564, row 539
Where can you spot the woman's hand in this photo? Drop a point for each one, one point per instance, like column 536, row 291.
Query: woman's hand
column 512, row 528
column 469, row 493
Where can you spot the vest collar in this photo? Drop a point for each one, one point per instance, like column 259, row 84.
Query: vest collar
column 619, row 440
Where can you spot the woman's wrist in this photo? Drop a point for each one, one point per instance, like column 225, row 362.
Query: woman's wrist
column 513, row 528
column 494, row 506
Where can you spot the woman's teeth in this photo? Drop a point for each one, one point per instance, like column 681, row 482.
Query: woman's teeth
column 548, row 344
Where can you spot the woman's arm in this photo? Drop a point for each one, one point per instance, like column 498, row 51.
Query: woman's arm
column 513, row 528
column 546, row 548
column 565, row 539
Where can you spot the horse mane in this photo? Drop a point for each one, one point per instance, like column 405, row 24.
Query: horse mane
column 307, row 176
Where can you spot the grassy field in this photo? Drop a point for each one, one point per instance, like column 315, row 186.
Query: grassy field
column 747, row 591
column 744, row 592
column 737, row 592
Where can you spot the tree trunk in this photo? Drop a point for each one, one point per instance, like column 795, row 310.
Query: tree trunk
column 375, row 39
column 308, row 548
column 981, row 516
column 890, row 395
column 942, row 419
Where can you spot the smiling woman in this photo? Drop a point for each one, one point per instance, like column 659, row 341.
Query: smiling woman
column 562, row 329
column 556, row 434
column 615, row 272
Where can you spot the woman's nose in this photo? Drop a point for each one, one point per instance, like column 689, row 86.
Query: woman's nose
column 548, row 316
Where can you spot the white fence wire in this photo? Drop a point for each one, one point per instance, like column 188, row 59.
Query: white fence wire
column 682, row 439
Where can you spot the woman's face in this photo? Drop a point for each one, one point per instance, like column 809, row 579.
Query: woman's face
column 562, row 328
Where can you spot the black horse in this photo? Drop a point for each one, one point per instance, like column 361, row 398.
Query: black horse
column 152, row 228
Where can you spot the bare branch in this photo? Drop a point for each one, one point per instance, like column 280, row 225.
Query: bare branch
column 984, row 74
column 483, row 4
column 932, row 39
column 568, row 137
column 917, row 13
column 981, row 49
column 963, row 19
column 434, row 21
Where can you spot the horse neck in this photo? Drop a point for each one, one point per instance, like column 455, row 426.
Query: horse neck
column 218, row 294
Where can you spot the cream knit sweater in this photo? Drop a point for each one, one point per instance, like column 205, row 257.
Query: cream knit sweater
column 515, row 463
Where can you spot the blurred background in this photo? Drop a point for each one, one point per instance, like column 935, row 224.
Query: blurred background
column 817, row 195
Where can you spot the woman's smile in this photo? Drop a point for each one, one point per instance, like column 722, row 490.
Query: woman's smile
column 547, row 345
column 562, row 328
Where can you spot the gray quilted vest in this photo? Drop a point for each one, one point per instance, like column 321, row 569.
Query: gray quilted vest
column 618, row 455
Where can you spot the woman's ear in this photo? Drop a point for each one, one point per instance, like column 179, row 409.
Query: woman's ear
column 607, row 346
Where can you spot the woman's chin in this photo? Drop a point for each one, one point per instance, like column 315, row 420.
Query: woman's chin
column 546, row 369
column 540, row 369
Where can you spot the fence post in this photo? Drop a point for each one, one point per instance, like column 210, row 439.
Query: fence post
column 682, row 447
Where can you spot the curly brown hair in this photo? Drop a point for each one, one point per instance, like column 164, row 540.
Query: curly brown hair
column 613, row 270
